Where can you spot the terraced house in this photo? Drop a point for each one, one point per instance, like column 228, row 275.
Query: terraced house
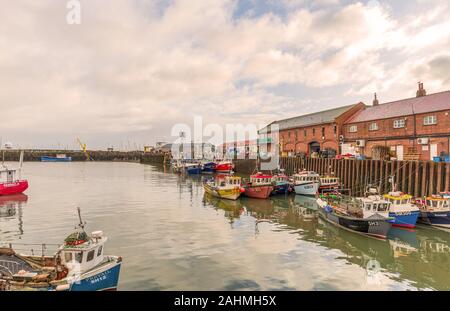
column 410, row 129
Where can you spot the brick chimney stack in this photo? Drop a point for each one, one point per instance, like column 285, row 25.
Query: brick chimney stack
column 375, row 100
column 421, row 91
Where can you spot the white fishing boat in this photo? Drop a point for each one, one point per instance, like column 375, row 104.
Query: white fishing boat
column 306, row 183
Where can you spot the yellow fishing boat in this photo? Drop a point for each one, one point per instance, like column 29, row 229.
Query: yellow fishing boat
column 224, row 187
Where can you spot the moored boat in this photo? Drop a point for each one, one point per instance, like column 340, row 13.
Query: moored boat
column 281, row 183
column 356, row 215
column 224, row 167
column 57, row 158
column 224, row 187
column 435, row 210
column 402, row 209
column 11, row 181
column 306, row 183
column 329, row 183
column 260, row 186
column 208, row 168
column 78, row 265
column 193, row 168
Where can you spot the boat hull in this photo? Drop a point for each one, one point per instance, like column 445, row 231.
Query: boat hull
column 193, row 170
column 309, row 188
column 436, row 219
column 55, row 159
column 281, row 188
column 224, row 168
column 405, row 219
column 104, row 278
column 372, row 226
column 209, row 168
column 258, row 192
column 15, row 187
column 229, row 194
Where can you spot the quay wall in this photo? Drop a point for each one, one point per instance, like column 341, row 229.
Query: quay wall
column 35, row 155
column 417, row 178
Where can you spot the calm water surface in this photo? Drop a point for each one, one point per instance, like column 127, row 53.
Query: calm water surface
column 173, row 237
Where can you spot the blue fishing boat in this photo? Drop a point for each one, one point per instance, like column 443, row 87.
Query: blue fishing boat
column 78, row 265
column 193, row 168
column 209, row 168
column 281, row 182
column 57, row 158
column 435, row 210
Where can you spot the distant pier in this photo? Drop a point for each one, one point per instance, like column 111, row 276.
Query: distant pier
column 77, row 155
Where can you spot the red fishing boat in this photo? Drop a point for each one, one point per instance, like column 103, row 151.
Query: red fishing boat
column 224, row 167
column 260, row 186
column 11, row 181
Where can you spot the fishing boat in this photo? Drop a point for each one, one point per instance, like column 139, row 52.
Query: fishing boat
column 260, row 186
column 57, row 158
column 11, row 181
column 281, row 181
column 329, row 183
column 208, row 168
column 78, row 265
column 356, row 215
column 402, row 209
column 435, row 210
column 306, row 183
column 224, row 167
column 193, row 168
column 224, row 187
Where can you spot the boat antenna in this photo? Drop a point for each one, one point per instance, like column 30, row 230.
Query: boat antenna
column 81, row 224
column 20, row 164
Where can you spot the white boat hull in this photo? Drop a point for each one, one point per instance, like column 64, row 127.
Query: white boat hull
column 308, row 188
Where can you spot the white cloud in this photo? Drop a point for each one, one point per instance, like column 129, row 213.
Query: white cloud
column 141, row 66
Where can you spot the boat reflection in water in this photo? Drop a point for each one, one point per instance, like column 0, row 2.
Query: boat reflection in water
column 10, row 210
column 419, row 258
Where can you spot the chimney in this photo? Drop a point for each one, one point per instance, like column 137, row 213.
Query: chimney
column 421, row 91
column 375, row 100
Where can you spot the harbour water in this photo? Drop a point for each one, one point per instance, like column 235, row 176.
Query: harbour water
column 173, row 237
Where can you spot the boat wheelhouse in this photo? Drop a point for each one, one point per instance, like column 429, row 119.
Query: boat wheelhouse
column 260, row 186
column 435, row 210
column 224, row 187
column 306, row 183
column 329, row 183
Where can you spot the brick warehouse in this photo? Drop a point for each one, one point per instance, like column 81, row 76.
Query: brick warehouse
column 410, row 129
column 310, row 133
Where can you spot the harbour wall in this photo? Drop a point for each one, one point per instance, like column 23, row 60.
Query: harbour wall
column 417, row 178
column 96, row 155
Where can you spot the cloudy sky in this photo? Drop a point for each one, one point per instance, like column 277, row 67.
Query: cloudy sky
column 134, row 68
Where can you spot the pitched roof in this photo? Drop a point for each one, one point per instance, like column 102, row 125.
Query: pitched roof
column 404, row 107
column 320, row 117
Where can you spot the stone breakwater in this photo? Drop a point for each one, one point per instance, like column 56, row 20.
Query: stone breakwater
column 96, row 155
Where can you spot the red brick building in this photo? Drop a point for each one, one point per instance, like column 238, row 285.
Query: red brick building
column 418, row 126
column 310, row 133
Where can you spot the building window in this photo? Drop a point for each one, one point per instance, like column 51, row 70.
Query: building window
column 335, row 129
column 400, row 123
column 304, row 133
column 323, row 132
column 373, row 126
column 429, row 120
column 353, row 129
column 314, row 131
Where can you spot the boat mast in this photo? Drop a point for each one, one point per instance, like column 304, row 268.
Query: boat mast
column 81, row 224
column 20, row 164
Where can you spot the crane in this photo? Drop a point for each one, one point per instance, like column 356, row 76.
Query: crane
column 84, row 149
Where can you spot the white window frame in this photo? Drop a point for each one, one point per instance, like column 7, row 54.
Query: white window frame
column 373, row 126
column 399, row 123
column 430, row 120
column 353, row 129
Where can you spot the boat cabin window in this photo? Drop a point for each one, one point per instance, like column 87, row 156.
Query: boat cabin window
column 435, row 203
column 68, row 257
column 90, row 255
column 79, row 257
column 428, row 202
column 100, row 249
column 222, row 184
